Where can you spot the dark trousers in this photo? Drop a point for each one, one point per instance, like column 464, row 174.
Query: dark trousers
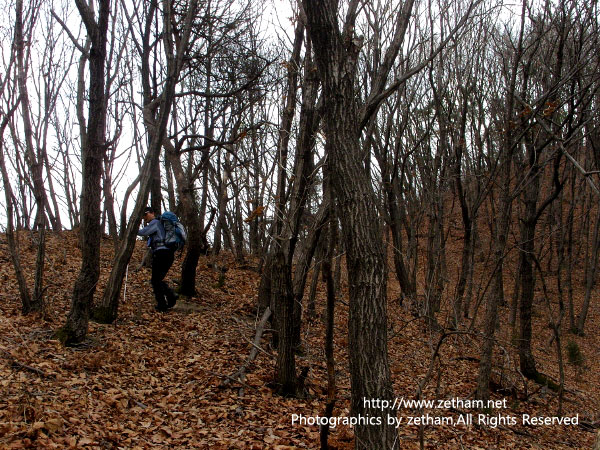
column 161, row 263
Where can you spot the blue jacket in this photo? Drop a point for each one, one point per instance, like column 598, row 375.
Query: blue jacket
column 156, row 235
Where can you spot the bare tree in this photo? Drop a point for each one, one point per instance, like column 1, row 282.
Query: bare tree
column 93, row 151
column 6, row 116
column 156, row 115
column 336, row 49
column 34, row 162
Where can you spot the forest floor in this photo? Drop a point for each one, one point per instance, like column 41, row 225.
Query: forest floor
column 156, row 379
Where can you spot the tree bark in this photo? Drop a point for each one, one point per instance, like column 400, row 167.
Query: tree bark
column 330, row 322
column 336, row 58
column 409, row 289
column 93, row 150
column 276, row 280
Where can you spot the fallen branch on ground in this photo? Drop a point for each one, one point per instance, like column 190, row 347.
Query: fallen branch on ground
column 20, row 366
column 240, row 374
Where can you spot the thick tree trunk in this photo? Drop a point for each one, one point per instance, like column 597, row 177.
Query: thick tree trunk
column 94, row 148
column 336, row 58
column 367, row 322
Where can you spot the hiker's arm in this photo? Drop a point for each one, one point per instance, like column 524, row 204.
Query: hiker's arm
column 149, row 229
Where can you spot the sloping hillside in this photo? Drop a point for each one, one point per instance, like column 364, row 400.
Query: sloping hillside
column 160, row 380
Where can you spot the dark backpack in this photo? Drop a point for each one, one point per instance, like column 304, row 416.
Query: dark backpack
column 175, row 234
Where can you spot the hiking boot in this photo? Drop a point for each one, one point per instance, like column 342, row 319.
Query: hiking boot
column 171, row 302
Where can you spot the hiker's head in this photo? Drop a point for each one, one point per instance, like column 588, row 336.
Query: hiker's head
column 148, row 214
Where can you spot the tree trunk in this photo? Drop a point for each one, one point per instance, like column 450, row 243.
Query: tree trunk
column 496, row 296
column 408, row 288
column 197, row 244
column 303, row 265
column 283, row 299
column 467, row 213
column 109, row 202
column 221, row 207
column 526, row 271
column 277, row 282
column 94, row 148
column 570, row 260
column 329, row 328
column 336, row 58
column 434, row 286
column 34, row 163
column 591, row 275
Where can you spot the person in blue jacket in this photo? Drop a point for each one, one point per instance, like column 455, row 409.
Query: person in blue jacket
column 162, row 259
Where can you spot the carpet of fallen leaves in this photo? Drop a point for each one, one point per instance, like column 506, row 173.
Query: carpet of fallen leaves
column 157, row 380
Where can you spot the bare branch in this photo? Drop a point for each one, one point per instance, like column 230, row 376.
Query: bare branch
column 73, row 38
column 376, row 98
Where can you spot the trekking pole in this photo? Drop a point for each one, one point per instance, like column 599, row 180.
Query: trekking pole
column 125, row 290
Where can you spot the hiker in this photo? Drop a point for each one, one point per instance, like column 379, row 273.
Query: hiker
column 162, row 259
